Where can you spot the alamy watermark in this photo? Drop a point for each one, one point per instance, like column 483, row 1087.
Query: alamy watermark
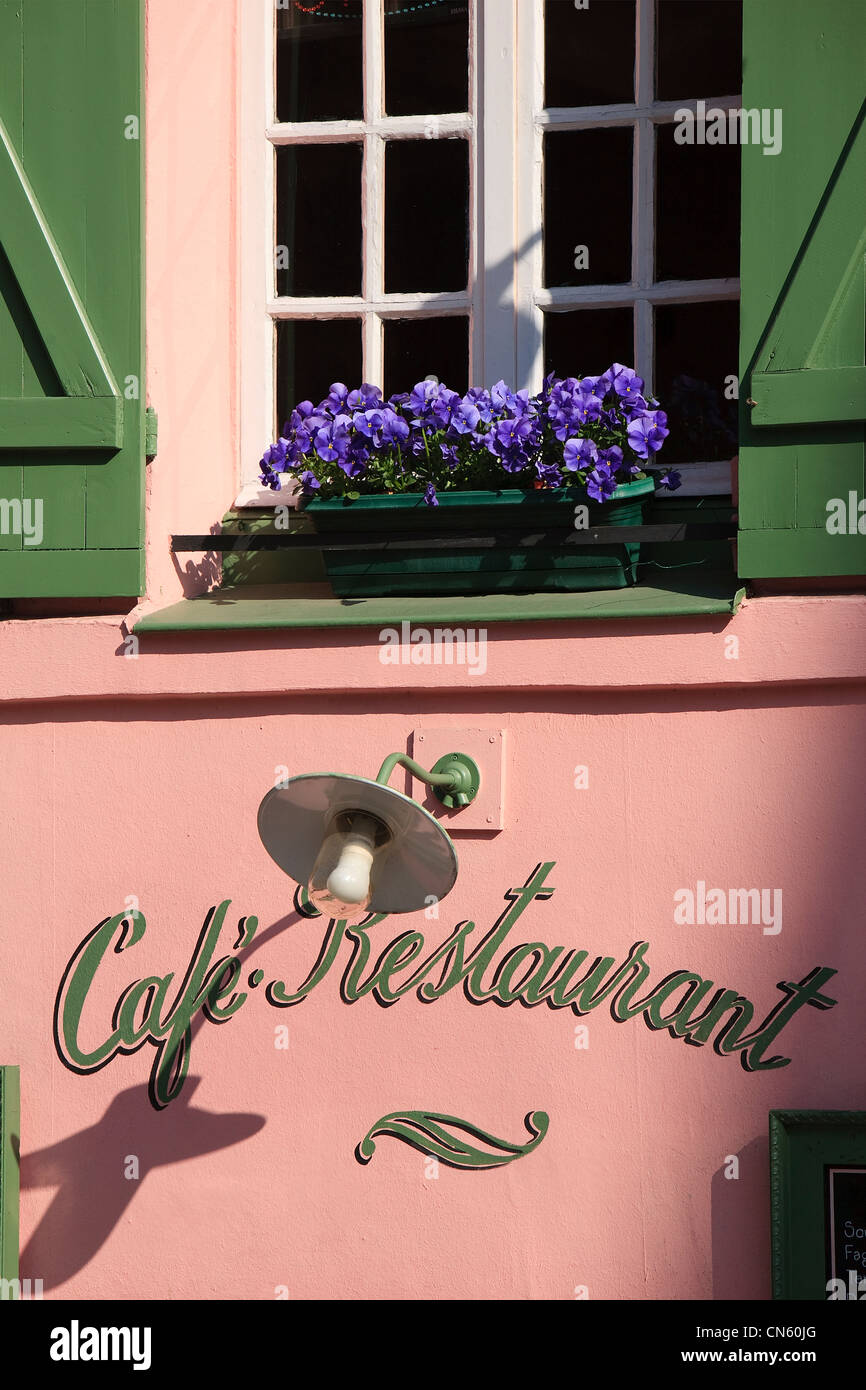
column 438, row 646
column 717, row 126
column 846, row 518
column 23, row 1289
column 22, row 518
column 714, row 907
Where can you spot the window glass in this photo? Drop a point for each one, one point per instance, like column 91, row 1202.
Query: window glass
column 311, row 353
column 319, row 61
column 426, row 215
column 426, row 57
column 584, row 342
column 699, row 45
column 415, row 348
column 697, row 209
column 695, row 366
column 318, row 219
column 589, row 52
column 587, row 207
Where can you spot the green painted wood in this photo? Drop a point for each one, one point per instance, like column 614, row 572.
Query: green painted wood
column 28, row 572
column 151, row 432
column 78, row 422
column 802, row 1144
column 38, row 265
column 814, row 395
column 250, row 607
column 803, row 289
column 71, row 229
column 10, row 1135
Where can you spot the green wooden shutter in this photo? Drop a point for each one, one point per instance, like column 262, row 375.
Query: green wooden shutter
column 803, row 280
column 72, row 417
column 9, row 1183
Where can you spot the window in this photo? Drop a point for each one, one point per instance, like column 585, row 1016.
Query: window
column 486, row 188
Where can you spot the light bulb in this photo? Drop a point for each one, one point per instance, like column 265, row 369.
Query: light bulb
column 340, row 880
column 350, row 881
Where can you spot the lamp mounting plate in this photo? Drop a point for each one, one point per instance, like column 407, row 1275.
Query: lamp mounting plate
column 467, row 780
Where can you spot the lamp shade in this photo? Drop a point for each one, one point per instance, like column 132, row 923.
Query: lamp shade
column 418, row 863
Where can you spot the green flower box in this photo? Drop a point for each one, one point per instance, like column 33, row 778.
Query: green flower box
column 503, row 568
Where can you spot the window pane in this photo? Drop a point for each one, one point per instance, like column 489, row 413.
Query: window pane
column 585, row 342
column 426, row 57
column 698, row 209
column 426, row 215
column 699, row 47
column 310, row 355
column 587, row 207
column 415, row 348
column 319, row 62
column 319, row 219
column 588, row 53
column 696, row 350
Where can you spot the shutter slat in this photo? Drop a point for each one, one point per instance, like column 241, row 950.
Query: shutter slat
column 62, row 422
column 810, row 396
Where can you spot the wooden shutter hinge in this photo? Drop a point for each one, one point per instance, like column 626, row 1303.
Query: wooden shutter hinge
column 151, row 426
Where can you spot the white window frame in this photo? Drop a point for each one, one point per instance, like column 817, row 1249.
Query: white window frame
column 505, row 300
column 642, row 292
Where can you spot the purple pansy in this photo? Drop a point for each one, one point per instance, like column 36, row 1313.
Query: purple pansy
column 600, row 483
column 671, row 480
column 580, row 453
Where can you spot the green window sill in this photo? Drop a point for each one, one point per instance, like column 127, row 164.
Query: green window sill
column 313, row 606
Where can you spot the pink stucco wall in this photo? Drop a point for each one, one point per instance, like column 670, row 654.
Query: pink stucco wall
column 139, row 778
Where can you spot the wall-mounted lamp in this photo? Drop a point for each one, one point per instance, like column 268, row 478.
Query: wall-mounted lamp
column 360, row 846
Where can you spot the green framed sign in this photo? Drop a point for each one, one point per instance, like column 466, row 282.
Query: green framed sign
column 10, row 1130
column 818, row 1204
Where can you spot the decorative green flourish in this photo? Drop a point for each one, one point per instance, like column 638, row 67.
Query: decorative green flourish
column 424, row 1131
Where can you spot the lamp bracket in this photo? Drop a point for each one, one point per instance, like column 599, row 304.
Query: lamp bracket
column 454, row 779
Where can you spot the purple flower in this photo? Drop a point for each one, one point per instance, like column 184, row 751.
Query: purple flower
column 354, row 465
column 335, row 400
column 597, row 386
column 275, row 456
column 645, row 436
column 395, row 430
column 366, row 398
column 309, row 482
column 511, row 433
column 585, row 409
column 421, row 399
column 611, row 456
column 449, row 454
column 580, row 453
column 482, row 402
column 549, row 474
column 625, row 381
column 600, row 484
column 671, row 480
column 332, row 441
column 466, row 416
column 430, row 496
column 271, row 480
column 368, row 422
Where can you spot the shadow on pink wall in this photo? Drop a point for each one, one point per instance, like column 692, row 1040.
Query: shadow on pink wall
column 92, row 1194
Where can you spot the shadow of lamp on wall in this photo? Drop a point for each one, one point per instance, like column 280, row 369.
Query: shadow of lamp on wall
column 359, row 846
